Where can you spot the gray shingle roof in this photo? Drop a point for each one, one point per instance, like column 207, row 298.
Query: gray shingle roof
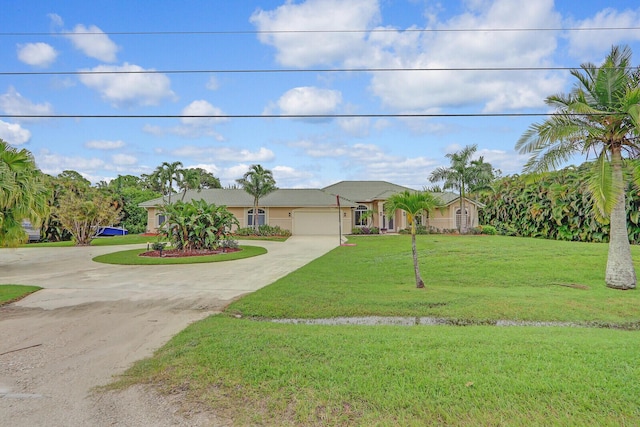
column 240, row 198
column 365, row 191
column 350, row 192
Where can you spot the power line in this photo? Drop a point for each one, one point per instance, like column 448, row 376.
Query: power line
column 287, row 116
column 283, row 70
column 330, row 31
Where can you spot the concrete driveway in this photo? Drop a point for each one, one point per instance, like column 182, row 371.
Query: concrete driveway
column 92, row 321
column 70, row 277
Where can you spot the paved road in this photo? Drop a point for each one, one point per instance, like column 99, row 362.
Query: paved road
column 92, row 321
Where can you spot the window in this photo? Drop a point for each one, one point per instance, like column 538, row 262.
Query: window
column 161, row 220
column 262, row 217
column 361, row 216
column 464, row 221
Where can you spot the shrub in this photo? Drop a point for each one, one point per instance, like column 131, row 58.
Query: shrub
column 365, row 230
column 263, row 231
column 488, row 229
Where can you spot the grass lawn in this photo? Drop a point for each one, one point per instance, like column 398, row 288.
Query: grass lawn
column 11, row 293
column 131, row 257
column 129, row 239
column 263, row 373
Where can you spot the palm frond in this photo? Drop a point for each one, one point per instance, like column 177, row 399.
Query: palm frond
column 603, row 188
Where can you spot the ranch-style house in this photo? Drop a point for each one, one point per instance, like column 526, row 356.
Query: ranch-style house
column 346, row 204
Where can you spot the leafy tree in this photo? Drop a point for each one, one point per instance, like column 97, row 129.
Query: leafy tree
column 601, row 115
column 414, row 204
column 197, row 225
column 459, row 176
column 82, row 214
column 207, row 179
column 23, row 194
column 258, row 182
column 128, row 191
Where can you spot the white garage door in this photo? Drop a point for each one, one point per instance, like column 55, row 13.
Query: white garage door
column 315, row 223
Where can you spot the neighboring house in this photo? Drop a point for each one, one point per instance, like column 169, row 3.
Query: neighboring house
column 315, row 211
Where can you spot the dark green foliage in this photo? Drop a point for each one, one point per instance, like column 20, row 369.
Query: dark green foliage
column 365, row 230
column 264, row 230
column 197, row 225
column 554, row 205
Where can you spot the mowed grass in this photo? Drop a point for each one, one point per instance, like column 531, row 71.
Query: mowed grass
column 11, row 293
column 129, row 239
column 264, row 373
column 132, row 257
column 479, row 278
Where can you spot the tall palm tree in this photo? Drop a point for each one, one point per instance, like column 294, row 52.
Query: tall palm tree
column 189, row 180
column 23, row 194
column 414, row 204
column 458, row 177
column 165, row 175
column 258, row 182
column 601, row 115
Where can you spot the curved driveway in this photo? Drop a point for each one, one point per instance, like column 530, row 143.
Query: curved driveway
column 70, row 277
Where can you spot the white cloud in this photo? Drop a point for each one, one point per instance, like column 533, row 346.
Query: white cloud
column 193, row 127
column 56, row 20
column 288, row 177
column 102, row 144
column 594, row 45
column 37, row 54
column 355, row 126
column 13, row 133
column 442, row 49
column 128, row 89
column 213, row 84
column 53, row 163
column 15, row 104
column 202, row 108
column 224, row 154
column 124, row 160
column 304, row 49
column 93, row 42
column 308, row 100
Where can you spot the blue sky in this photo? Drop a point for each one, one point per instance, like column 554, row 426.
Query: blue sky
column 46, row 37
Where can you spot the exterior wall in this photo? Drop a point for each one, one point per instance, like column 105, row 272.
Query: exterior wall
column 446, row 219
column 280, row 217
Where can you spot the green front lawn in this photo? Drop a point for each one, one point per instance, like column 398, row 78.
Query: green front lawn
column 479, row 278
column 129, row 239
column 11, row 293
column 263, row 373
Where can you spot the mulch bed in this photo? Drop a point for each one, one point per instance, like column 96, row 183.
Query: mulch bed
column 177, row 253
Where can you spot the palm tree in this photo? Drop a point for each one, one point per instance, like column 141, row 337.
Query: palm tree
column 258, row 182
column 601, row 115
column 189, row 180
column 458, row 177
column 414, row 204
column 170, row 172
column 23, row 194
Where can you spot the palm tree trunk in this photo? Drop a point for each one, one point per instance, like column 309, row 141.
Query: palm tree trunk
column 620, row 272
column 416, row 267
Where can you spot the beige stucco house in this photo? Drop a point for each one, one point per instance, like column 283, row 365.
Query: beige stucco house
column 316, row 211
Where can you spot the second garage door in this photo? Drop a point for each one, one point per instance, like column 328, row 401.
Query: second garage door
column 306, row 222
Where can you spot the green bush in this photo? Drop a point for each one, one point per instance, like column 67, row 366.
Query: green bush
column 263, row 231
column 488, row 229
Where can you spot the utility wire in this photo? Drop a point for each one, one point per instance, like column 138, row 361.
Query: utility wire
column 289, row 70
column 285, row 116
column 337, row 31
